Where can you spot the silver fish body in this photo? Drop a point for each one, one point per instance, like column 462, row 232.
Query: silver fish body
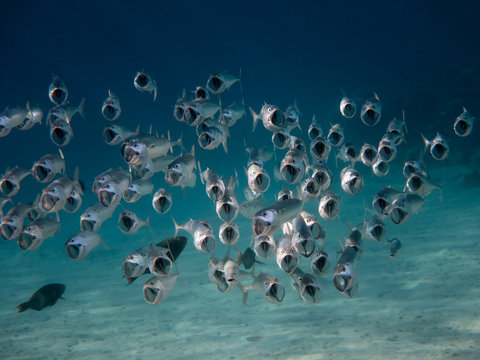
column 375, row 229
column 229, row 234
column 322, row 175
column 404, row 206
column 218, row 82
column 80, row 245
column 320, row 148
column 258, row 179
column 314, row 130
column 130, row 223
column 202, row 232
column 197, row 111
column 33, row 235
column 286, row 257
column 230, row 115
column 272, row 117
column 33, row 116
column 280, row 139
column 329, row 205
column 11, row 118
column 380, row 168
column 112, row 191
column 319, row 263
column 10, row 182
column 264, row 246
column 307, row 286
column 12, row 223
column 155, row 289
column 463, row 124
column 214, row 185
column 61, row 132
column 143, row 82
column 315, row 228
column 162, row 201
column 136, row 189
column 115, row 134
column 46, row 168
column 383, row 199
column 335, row 136
column 269, row 286
column 269, row 219
column 394, row 248
column 152, row 166
column 418, row 184
column 387, row 150
column 302, row 238
column 158, row 261
column 57, row 91
column 94, row 216
column 368, row 155
column 292, row 166
column 371, row 111
column 347, row 107
column 54, row 196
column 351, row 180
column 439, row 148
column 111, row 108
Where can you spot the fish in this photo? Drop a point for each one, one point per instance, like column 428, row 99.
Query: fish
column 387, row 150
column 269, row 286
column 371, row 111
column 33, row 116
column 269, row 219
column 463, row 125
column 158, row 261
column 155, row 289
column 112, row 190
column 33, row 234
column 292, row 117
column 329, row 205
column 415, row 166
column 335, row 135
column 321, row 174
column 347, row 107
column 368, row 154
column 65, row 114
column 284, row 194
column 272, row 117
column 351, row 180
column 101, row 179
column 162, row 201
column 227, row 205
column 347, row 153
column 136, row 189
column 302, row 239
column 231, row 269
column 80, row 245
column 11, row 118
column 281, row 139
column 380, row 168
column 143, row 82
column 404, row 206
column 395, row 129
column 12, row 223
column 61, row 133
column 394, row 249
column 218, row 82
column 344, row 273
column 319, row 263
column 149, row 147
column 230, row 115
column 48, row 166
column 310, row 189
column 201, row 93
column 179, row 108
column 286, row 256
column 111, row 109
column 198, row 111
column 212, row 134
column 264, row 246
column 297, row 144
column 202, row 232
column 375, row 229
column 54, row 196
column 307, row 286
column 315, row 228
column 10, row 182
column 115, row 134
column 292, row 166
column 94, row 216
column 382, row 201
column 418, row 184
column 44, row 297
column 152, row 166
column 229, row 234
column 439, row 148
column 130, row 223
column 57, row 91
column 314, row 130
column 181, row 171
column 214, row 185
column 320, row 148
column 258, row 178
column 3, row 201
column 216, row 273
column 75, row 199
column 258, row 156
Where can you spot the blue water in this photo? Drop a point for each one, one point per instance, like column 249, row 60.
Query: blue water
column 420, row 57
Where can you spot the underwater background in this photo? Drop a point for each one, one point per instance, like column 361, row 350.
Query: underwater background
column 421, row 57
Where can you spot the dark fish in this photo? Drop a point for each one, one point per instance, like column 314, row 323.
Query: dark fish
column 248, row 258
column 43, row 297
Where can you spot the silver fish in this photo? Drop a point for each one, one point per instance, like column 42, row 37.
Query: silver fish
column 380, row 168
column 229, row 234
column 415, row 166
column 315, row 228
column 47, row 167
column 201, row 93
column 103, row 177
column 387, row 150
column 368, row 154
column 214, row 185
column 269, row 286
column 383, row 199
column 292, row 117
column 135, row 264
column 179, row 109
column 258, row 179
column 302, row 239
column 143, row 82
column 112, row 191
column 347, row 107
column 292, row 166
column 54, row 196
column 438, row 147
column 351, row 180
column 335, row 135
column 130, row 223
column 150, row 147
column 272, row 117
column 33, row 234
column 394, row 249
column 329, row 205
column 347, row 153
column 65, row 113
column 61, row 133
column 158, row 261
column 216, row 273
column 231, row 271
column 284, row 194
column 80, row 245
column 57, row 91
column 344, row 274
column 152, row 166
column 375, row 229
column 181, row 171
column 320, row 148
column 404, row 206
column 162, row 201
column 197, row 111
column 307, row 286
column 264, row 246
column 269, row 219
column 202, row 232
column 371, row 111
column 230, row 115
column 319, row 263
column 136, row 189
column 250, row 207
column 310, row 189
column 297, row 144
column 395, row 129
column 418, row 184
column 227, row 205
column 322, row 175
column 314, row 130
column 12, row 223
column 218, row 82
column 280, row 139
column 155, row 289
column 111, row 109
column 33, row 116
column 11, row 118
column 258, row 156
column 3, row 201
column 212, row 134
column 463, row 124
column 10, row 182
column 286, row 257
column 94, row 216
column 74, row 200
column 115, row 134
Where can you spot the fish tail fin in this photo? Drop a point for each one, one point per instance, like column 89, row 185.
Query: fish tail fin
column 155, row 90
column 224, row 143
column 426, row 142
column 23, row 306
column 179, row 142
column 81, row 108
column 403, row 122
column 177, row 227
column 137, row 131
column 255, row 118
column 200, row 171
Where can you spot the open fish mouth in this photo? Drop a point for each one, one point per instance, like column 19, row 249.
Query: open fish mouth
column 110, row 136
column 107, row 197
column 305, row 247
column 290, row 173
column 355, row 185
column 215, row 84
column 321, row 265
column 349, row 110
column 126, row 223
column 131, row 195
column 382, row 168
column 162, row 266
column 34, row 213
column 399, row 215
column 277, row 118
column 141, row 80
column 262, row 182
column 72, row 204
column 370, row 117
column 7, row 230
column 227, row 212
column 162, row 204
column 132, row 269
column 42, row 173
column 275, row 293
column 207, row 244
column 179, row 112
column 314, row 132
column 27, row 240
column 369, row 157
column 151, row 294
column 205, row 140
column 215, row 193
column 48, row 202
column 351, row 153
column 264, row 249
column 60, row 137
column 342, row 281
column 109, row 112
column 229, row 234
column 377, row 233
column 8, row 187
column 73, row 250
column 289, row 263
column 380, row 205
column 319, row 150
column 322, row 179
column 312, row 187
column 131, row 156
column 261, row 227
column 58, row 96
column 88, row 225
column 462, row 128
column 331, row 208
column 335, row 138
column 439, row 151
column 386, row 153
column 280, row 139
column 172, row 177
column 191, row 116
column 415, row 183
column 311, row 294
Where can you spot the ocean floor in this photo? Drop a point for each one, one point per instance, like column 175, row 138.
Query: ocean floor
column 423, row 305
